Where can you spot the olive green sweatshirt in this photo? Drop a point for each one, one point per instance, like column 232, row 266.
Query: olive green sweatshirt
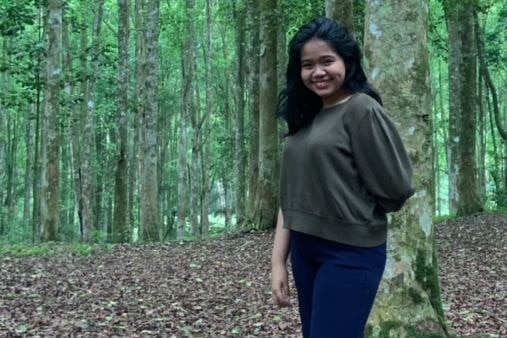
column 341, row 174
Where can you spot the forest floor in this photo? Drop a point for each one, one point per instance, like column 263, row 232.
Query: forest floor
column 221, row 288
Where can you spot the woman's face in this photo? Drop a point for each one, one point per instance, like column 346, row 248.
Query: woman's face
column 323, row 71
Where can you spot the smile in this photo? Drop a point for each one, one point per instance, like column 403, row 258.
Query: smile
column 321, row 84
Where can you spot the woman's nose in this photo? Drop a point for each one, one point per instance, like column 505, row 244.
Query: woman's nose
column 318, row 70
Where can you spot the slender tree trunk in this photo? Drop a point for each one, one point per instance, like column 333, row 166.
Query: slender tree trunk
column 140, row 96
column 86, row 130
column 454, row 46
column 228, row 142
column 482, row 139
column 240, row 17
column 266, row 210
column 51, row 150
column 254, row 88
column 29, row 141
column 470, row 200
column 408, row 303
column 188, row 92
column 149, row 202
column 343, row 11
column 12, row 142
column 3, row 141
column 121, row 227
column 73, row 132
column 205, row 163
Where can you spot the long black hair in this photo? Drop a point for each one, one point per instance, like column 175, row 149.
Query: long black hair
column 297, row 104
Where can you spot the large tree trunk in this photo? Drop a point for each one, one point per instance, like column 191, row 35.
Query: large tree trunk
column 266, row 210
column 121, row 226
column 50, row 186
column 408, row 302
column 470, row 200
column 454, row 46
column 149, row 202
column 343, row 11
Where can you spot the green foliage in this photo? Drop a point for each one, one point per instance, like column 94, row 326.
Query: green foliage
column 15, row 15
column 20, row 250
column 51, row 248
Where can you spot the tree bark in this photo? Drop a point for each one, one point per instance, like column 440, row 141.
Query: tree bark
column 470, row 201
column 121, row 225
column 240, row 17
column 343, row 11
column 408, row 302
column 254, row 88
column 205, row 163
column 29, row 141
column 3, row 141
column 149, row 203
column 266, row 210
column 454, row 47
column 50, row 192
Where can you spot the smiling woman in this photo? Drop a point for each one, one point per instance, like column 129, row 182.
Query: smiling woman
column 344, row 167
column 323, row 72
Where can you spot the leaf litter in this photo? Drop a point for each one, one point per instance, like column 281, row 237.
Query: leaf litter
column 221, row 288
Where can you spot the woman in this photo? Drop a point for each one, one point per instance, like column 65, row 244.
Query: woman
column 343, row 168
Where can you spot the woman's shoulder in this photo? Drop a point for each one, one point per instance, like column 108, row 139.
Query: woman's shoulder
column 362, row 101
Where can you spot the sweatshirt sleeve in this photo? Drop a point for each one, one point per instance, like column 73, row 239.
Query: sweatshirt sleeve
column 381, row 160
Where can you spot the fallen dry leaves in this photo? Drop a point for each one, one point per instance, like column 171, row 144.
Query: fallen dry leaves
column 473, row 274
column 221, row 288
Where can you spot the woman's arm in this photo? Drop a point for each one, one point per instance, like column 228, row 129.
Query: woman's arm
column 279, row 276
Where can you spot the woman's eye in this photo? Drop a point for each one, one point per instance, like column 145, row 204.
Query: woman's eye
column 328, row 62
column 307, row 65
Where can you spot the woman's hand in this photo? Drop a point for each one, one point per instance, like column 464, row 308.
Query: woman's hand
column 280, row 285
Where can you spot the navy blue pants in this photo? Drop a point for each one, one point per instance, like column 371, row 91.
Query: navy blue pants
column 336, row 285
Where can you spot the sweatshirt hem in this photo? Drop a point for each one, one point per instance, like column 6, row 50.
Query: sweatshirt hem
column 360, row 234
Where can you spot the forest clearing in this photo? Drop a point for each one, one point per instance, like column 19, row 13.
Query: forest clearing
column 220, row 288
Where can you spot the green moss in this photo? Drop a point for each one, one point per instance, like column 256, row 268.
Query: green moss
column 415, row 296
column 385, row 329
column 427, row 276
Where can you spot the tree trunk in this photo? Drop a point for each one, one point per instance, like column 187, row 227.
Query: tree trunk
column 205, row 163
column 266, row 210
column 187, row 76
column 121, row 226
column 343, row 11
column 86, row 130
column 29, row 141
column 190, row 102
column 50, row 186
column 408, row 302
column 3, row 141
column 454, row 47
column 140, row 8
column 10, row 163
column 240, row 17
column 149, row 202
column 253, row 83
column 470, row 200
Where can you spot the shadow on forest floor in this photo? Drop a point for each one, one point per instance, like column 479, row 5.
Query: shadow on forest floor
column 221, row 288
